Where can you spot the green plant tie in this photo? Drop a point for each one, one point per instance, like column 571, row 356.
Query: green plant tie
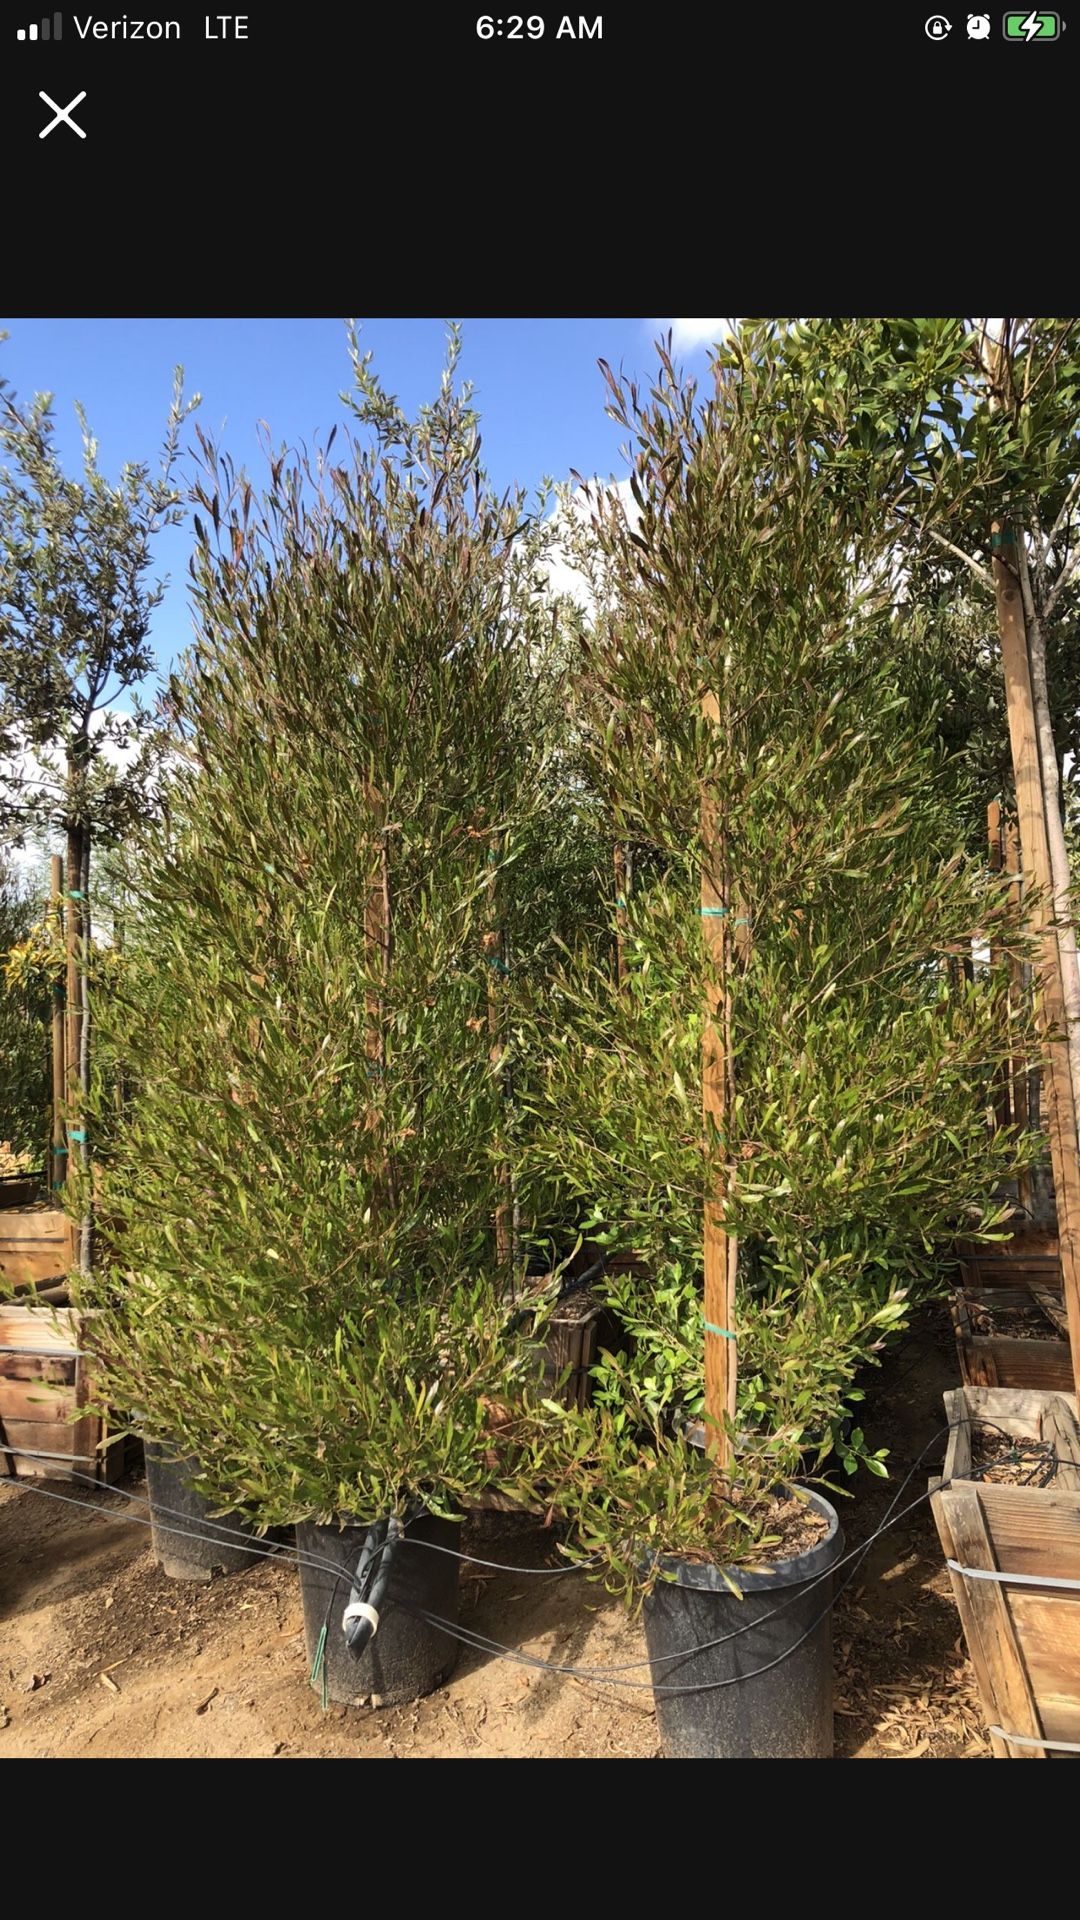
column 1006, row 539
column 721, row 1332
column 318, row 1667
column 76, row 893
column 500, row 966
column 718, row 913
column 620, row 900
column 76, row 1133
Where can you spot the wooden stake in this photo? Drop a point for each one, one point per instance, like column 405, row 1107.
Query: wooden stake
column 624, row 877
column 73, row 1020
column 720, row 1247
column 378, row 947
column 1061, row 1116
column 58, row 1170
column 495, row 955
column 1019, row 991
column 994, row 832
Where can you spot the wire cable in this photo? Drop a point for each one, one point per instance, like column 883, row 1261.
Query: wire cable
column 600, row 1675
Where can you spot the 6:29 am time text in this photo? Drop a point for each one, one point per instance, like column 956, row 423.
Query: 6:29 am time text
column 533, row 26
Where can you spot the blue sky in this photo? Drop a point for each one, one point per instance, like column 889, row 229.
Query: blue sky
column 539, row 390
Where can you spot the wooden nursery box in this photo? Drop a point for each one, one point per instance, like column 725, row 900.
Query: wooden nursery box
column 45, row 1385
column 36, row 1244
column 1012, row 1337
column 1022, row 1629
column 572, row 1339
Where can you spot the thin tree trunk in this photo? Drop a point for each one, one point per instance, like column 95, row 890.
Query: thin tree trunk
column 1055, row 828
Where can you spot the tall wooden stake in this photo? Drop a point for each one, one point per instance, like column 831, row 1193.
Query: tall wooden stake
column 720, row 1247
column 623, row 881
column 73, row 1021
column 996, row 838
column 495, row 955
column 1019, row 991
column 58, row 1170
column 1061, row 1116
column 378, row 945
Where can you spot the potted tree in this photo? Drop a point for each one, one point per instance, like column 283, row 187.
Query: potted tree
column 781, row 1106
column 315, row 1231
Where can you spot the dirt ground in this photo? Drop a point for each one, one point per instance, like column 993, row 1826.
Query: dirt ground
column 100, row 1655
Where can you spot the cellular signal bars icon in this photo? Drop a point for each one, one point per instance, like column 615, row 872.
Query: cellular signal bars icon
column 49, row 30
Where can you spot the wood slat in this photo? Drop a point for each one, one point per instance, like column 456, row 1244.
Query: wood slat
column 1061, row 1431
column 56, row 1372
column 39, row 1327
column 35, row 1400
column 1053, row 1305
column 1034, row 1529
column 43, row 1437
column 972, row 1638
column 987, row 1614
column 1048, row 1629
column 48, row 1224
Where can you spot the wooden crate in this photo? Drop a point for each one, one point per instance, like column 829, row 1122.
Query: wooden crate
column 1022, row 1632
column 46, row 1383
column 36, row 1245
column 992, row 1359
column 572, row 1339
column 1035, row 1271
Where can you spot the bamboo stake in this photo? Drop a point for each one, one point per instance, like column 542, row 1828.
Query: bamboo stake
column 720, row 1247
column 378, row 939
column 1021, row 987
column 73, row 1019
column 495, row 955
column 58, row 1170
column 624, row 879
column 1036, row 856
column 994, row 834
column 86, row 1224
column 1060, row 876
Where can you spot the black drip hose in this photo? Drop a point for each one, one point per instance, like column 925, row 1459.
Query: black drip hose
column 370, row 1582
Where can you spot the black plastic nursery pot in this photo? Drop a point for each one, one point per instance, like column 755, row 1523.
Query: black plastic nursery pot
column 406, row 1657
column 765, row 1692
column 189, row 1541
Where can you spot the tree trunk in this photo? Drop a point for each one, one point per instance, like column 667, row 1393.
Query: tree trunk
column 1055, row 828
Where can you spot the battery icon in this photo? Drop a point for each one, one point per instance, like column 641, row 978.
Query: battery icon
column 1032, row 26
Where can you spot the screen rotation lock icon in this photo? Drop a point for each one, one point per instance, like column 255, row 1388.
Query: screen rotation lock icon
column 937, row 27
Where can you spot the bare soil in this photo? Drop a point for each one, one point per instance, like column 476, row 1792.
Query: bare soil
column 101, row 1656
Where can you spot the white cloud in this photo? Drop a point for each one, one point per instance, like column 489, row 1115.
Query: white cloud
column 563, row 575
column 689, row 334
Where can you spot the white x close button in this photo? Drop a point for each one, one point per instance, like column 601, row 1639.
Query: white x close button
column 62, row 115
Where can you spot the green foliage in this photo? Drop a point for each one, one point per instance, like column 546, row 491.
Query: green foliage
column 300, row 1201
column 75, row 610
column 25, row 1081
column 859, row 1136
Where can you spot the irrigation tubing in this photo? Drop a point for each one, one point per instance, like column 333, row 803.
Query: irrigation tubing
column 599, row 1675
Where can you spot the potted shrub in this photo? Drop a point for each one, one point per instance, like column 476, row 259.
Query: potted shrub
column 315, row 1244
column 781, row 1107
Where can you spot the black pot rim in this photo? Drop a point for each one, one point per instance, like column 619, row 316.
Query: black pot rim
column 707, row 1576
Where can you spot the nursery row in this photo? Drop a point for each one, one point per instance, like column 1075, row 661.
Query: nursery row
column 556, row 1039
